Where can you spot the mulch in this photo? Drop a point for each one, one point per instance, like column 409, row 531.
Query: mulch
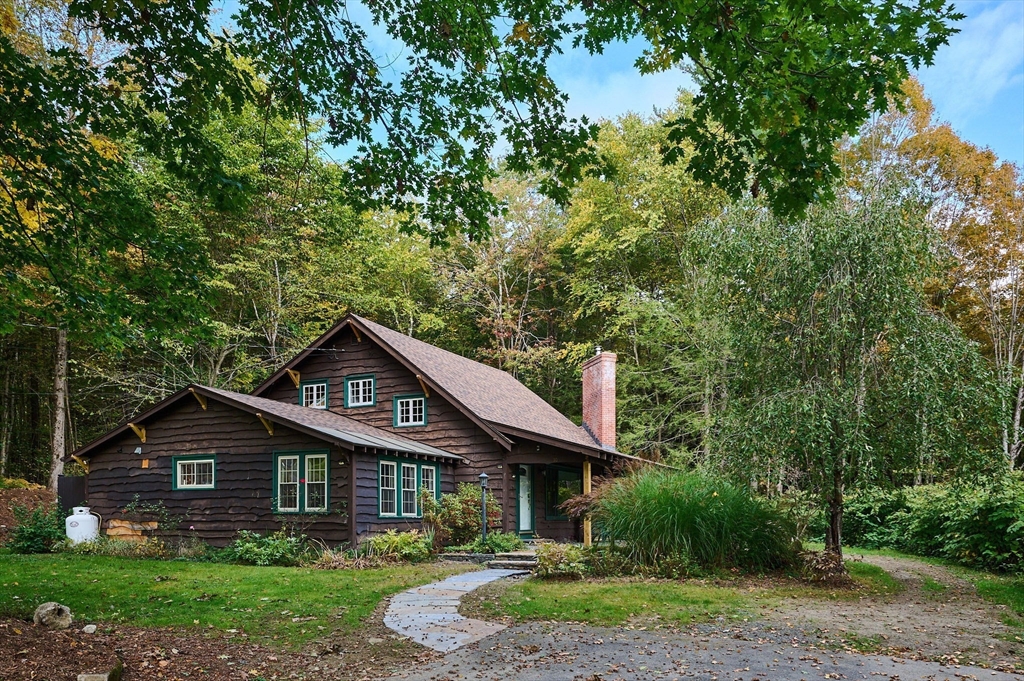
column 28, row 498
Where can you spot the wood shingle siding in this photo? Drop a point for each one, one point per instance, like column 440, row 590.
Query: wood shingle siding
column 242, row 498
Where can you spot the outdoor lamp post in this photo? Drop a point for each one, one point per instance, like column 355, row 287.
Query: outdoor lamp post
column 483, row 504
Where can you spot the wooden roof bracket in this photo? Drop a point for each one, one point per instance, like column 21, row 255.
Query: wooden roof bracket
column 266, row 423
column 84, row 463
column 294, row 375
column 200, row 398
column 355, row 330
column 423, row 385
column 140, row 431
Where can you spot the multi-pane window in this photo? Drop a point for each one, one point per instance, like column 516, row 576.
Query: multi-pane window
column 314, row 395
column 388, row 488
column 359, row 391
column 408, row 489
column 316, row 483
column 410, row 411
column 302, row 481
column 428, row 480
column 562, row 484
column 288, row 483
column 194, row 473
column 400, row 484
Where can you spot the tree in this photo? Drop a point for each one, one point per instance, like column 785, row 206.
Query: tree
column 778, row 84
column 977, row 205
column 841, row 372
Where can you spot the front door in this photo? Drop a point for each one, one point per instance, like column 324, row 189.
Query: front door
column 524, row 483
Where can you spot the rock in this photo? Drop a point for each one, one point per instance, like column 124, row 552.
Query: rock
column 375, row 641
column 53, row 616
column 113, row 675
column 89, row 629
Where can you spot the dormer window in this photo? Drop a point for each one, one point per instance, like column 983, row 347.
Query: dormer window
column 360, row 391
column 410, row 410
column 313, row 394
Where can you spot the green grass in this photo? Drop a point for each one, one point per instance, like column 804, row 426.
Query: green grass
column 612, row 602
column 931, row 586
column 259, row 601
column 1008, row 591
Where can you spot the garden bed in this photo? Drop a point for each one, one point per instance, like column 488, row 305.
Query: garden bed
column 27, row 498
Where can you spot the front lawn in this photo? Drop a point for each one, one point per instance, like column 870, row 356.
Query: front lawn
column 612, row 602
column 284, row 607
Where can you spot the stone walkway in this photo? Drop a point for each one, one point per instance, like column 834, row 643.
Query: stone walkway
column 429, row 615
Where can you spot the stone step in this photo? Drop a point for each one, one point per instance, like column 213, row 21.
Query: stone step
column 516, row 555
column 512, row 564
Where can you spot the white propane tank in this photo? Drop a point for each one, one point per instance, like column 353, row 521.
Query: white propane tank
column 82, row 525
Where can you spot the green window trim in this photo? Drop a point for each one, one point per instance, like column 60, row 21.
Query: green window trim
column 373, row 390
column 394, row 408
column 301, row 485
column 319, row 381
column 551, row 477
column 398, row 462
column 175, row 460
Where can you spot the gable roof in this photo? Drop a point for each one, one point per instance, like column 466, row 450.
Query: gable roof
column 325, row 425
column 490, row 395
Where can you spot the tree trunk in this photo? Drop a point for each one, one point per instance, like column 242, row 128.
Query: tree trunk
column 834, row 532
column 60, row 401
column 6, row 413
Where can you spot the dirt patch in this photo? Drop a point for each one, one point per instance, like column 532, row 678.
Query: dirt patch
column 28, row 498
column 936, row 616
column 31, row 653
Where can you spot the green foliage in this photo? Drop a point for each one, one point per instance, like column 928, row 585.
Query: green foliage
column 980, row 527
column 412, row 546
column 279, row 548
column 663, row 515
column 497, row 542
column 561, row 561
column 841, row 374
column 150, row 547
column 15, row 483
column 457, row 518
column 40, row 530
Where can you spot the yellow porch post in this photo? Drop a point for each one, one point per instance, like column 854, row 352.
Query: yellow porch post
column 587, row 530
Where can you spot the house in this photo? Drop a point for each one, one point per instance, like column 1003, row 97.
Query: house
column 344, row 439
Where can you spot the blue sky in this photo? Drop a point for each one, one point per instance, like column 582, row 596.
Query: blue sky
column 976, row 83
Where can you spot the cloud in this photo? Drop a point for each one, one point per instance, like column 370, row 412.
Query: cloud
column 980, row 62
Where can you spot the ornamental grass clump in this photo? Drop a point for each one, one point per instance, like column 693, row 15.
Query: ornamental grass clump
column 658, row 515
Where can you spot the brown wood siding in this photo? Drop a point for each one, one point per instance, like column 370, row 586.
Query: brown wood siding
column 244, row 475
column 447, row 427
column 368, row 521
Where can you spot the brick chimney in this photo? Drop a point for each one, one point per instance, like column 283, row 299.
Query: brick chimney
column 599, row 397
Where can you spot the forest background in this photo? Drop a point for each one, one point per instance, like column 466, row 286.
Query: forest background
column 879, row 339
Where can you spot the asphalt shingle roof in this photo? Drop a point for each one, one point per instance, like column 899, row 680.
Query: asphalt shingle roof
column 493, row 395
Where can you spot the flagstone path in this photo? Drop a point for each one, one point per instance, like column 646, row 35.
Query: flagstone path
column 429, row 614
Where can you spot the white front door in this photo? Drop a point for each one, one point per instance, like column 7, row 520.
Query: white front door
column 525, row 481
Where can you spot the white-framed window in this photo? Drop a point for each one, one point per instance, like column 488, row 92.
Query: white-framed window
column 359, row 391
column 288, row 483
column 316, row 482
column 314, row 395
column 388, row 483
column 302, row 482
column 428, row 480
column 400, row 484
column 410, row 410
column 409, row 488
column 195, row 472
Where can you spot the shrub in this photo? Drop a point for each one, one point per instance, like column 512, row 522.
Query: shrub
column 455, row 519
column 561, row 561
column 980, row 527
column 40, row 530
column 413, row 546
column 17, row 483
column 278, row 548
column 497, row 542
column 119, row 548
column 662, row 515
